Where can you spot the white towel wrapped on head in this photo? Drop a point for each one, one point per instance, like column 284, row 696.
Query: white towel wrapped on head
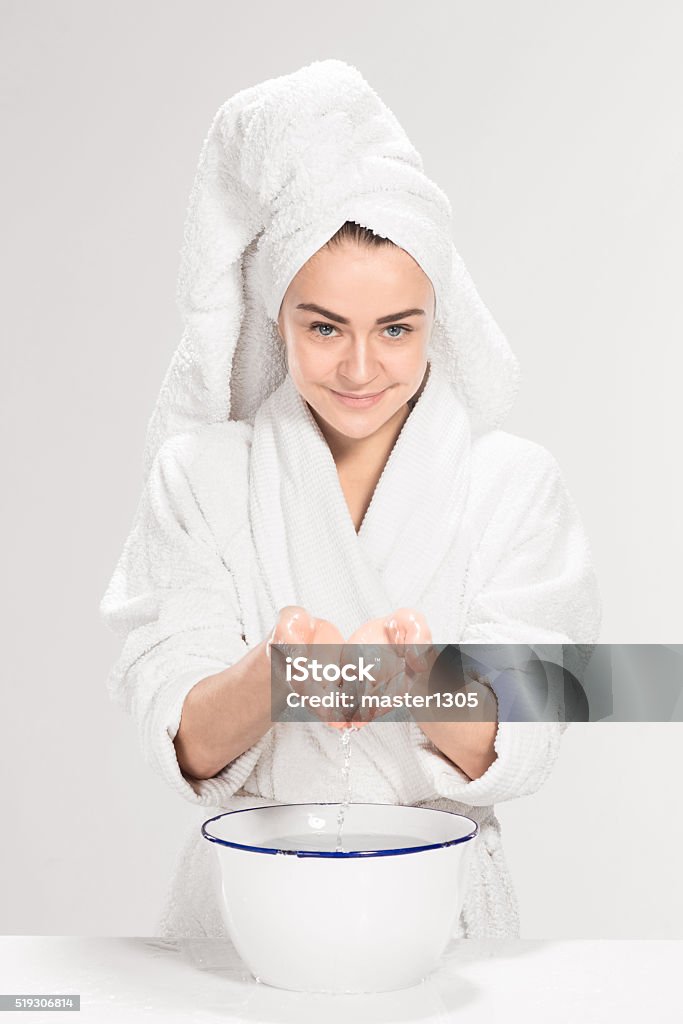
column 284, row 165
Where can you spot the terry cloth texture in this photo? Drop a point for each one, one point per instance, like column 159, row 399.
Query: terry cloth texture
column 237, row 521
column 242, row 510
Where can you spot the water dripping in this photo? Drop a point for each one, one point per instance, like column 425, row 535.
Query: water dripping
column 345, row 737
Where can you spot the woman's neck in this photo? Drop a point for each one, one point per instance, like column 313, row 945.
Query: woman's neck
column 360, row 461
column 365, row 456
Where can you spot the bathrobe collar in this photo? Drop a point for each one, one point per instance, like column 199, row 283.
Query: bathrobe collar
column 307, row 547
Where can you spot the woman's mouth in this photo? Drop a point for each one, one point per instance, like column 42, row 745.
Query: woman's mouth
column 359, row 401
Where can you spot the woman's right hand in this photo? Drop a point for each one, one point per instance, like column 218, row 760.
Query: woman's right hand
column 297, row 626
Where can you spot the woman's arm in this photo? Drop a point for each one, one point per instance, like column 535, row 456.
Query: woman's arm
column 468, row 745
column 225, row 714
column 228, row 712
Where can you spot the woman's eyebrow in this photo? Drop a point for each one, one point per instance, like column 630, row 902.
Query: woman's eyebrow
column 312, row 308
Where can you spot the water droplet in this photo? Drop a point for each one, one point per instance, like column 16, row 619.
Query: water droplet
column 345, row 738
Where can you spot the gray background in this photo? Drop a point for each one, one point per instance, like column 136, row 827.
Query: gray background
column 555, row 129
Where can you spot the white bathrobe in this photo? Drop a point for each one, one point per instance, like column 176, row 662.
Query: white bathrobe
column 238, row 519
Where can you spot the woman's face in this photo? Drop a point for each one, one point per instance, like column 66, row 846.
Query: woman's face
column 356, row 321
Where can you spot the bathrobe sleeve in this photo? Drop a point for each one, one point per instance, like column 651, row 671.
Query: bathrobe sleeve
column 173, row 602
column 534, row 584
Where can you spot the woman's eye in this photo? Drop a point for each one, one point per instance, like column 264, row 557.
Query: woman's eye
column 398, row 327
column 314, row 327
column 393, row 327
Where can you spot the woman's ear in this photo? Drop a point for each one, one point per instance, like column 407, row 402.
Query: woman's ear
column 279, row 332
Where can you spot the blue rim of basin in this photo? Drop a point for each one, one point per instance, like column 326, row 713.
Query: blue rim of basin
column 338, row 853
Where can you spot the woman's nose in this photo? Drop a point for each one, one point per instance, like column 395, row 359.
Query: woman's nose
column 359, row 363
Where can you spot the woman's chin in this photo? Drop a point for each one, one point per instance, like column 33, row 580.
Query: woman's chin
column 356, row 424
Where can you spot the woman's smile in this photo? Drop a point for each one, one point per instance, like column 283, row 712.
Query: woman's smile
column 361, row 401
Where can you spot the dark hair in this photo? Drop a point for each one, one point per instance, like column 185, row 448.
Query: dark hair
column 352, row 232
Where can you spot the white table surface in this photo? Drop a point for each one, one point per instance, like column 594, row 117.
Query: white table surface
column 127, row 980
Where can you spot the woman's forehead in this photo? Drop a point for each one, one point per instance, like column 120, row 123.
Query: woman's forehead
column 347, row 280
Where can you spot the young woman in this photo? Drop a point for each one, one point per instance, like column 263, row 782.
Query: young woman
column 362, row 499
